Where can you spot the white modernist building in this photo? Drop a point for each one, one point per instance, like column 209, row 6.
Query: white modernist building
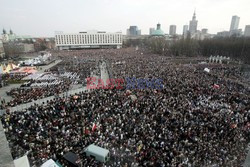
column 88, row 40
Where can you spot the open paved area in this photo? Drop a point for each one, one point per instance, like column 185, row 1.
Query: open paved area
column 5, row 155
column 247, row 162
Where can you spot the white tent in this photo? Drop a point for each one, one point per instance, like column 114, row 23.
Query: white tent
column 22, row 162
column 49, row 163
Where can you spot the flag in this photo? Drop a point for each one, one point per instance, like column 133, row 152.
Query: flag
column 94, row 127
column 216, row 86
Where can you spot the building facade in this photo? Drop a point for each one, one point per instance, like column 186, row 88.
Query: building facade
column 151, row 30
column 158, row 31
column 185, row 29
column 2, row 53
column 193, row 24
column 172, row 30
column 234, row 23
column 204, row 31
column 247, row 31
column 223, row 34
column 88, row 40
column 18, row 48
column 133, row 31
column 12, row 37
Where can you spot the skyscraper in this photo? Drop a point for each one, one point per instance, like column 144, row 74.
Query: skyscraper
column 247, row 31
column 193, row 24
column 234, row 23
column 151, row 30
column 172, row 30
column 133, row 30
column 185, row 29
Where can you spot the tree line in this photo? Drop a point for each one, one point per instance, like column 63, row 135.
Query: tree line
column 233, row 47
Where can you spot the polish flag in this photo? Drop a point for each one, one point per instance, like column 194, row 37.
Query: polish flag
column 94, row 127
column 216, row 86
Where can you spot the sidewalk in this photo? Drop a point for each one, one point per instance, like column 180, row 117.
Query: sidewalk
column 6, row 159
column 247, row 161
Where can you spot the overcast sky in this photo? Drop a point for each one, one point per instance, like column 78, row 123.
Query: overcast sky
column 43, row 17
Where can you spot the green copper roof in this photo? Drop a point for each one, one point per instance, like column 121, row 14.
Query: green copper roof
column 158, row 32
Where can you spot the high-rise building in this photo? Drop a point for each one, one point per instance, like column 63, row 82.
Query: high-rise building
column 234, row 23
column 151, row 30
column 172, row 30
column 193, row 24
column 204, row 31
column 133, row 30
column 247, row 31
column 138, row 32
column 185, row 29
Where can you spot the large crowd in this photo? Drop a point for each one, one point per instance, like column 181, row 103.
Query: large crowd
column 190, row 122
column 74, row 68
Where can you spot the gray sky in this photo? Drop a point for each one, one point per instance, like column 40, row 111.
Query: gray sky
column 44, row 17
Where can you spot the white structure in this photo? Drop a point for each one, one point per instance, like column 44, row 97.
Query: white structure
column 172, row 30
column 99, row 153
column 49, row 163
column 2, row 54
column 234, row 23
column 247, row 31
column 22, row 162
column 219, row 59
column 88, row 40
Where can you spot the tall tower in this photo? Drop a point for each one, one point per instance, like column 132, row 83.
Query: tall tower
column 11, row 32
column 234, row 23
column 158, row 26
column 172, row 30
column 185, row 29
column 247, row 31
column 193, row 24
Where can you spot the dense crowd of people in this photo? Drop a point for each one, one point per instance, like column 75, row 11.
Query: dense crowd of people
column 190, row 122
column 70, row 71
column 28, row 94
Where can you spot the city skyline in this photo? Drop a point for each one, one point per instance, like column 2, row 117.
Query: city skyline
column 43, row 18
